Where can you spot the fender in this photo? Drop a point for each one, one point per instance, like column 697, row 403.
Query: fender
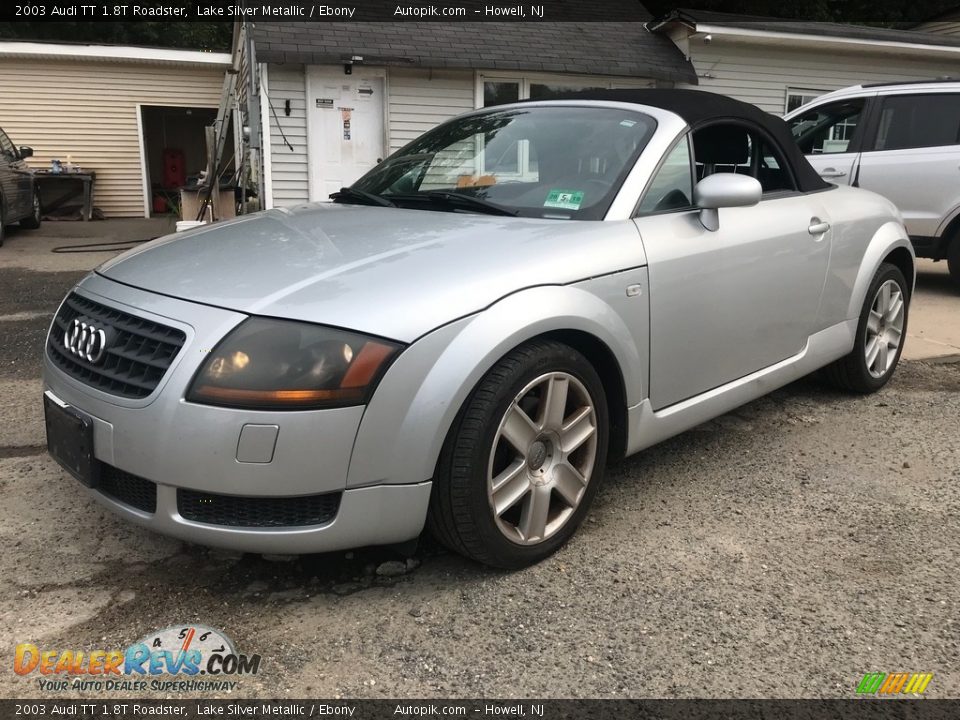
column 423, row 391
column 953, row 214
column 887, row 238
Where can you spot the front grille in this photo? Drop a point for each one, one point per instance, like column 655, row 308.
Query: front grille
column 129, row 489
column 136, row 358
column 238, row 511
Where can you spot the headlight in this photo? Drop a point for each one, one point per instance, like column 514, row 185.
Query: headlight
column 281, row 364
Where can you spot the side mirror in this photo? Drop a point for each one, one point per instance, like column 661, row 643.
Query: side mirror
column 26, row 152
column 722, row 190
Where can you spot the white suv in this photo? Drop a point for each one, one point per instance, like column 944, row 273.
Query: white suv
column 901, row 140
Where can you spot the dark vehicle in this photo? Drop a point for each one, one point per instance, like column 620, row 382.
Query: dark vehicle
column 19, row 200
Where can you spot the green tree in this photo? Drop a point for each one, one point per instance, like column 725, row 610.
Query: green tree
column 187, row 35
column 884, row 12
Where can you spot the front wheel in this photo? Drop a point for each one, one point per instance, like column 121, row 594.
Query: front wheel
column 33, row 222
column 524, row 458
column 881, row 332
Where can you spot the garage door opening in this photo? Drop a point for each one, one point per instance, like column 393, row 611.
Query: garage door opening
column 174, row 153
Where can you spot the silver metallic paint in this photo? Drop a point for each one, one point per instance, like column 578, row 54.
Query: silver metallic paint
column 722, row 190
column 727, row 303
column 138, row 435
column 373, row 270
column 423, row 390
column 464, row 290
column 378, row 515
column 648, row 426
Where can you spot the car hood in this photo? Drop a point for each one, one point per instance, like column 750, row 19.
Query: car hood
column 390, row 272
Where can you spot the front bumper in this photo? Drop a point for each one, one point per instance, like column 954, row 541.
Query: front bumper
column 176, row 445
column 379, row 515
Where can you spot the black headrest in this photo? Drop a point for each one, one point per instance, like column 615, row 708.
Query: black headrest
column 722, row 145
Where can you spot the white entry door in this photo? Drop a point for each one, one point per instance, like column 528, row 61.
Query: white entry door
column 345, row 116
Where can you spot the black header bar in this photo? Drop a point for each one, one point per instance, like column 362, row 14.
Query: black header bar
column 325, row 11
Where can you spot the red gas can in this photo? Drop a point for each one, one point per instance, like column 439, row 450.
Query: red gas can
column 174, row 168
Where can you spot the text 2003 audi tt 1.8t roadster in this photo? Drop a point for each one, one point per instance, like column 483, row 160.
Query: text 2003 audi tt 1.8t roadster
column 467, row 334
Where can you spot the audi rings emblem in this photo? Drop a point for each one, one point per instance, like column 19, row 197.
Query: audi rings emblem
column 86, row 340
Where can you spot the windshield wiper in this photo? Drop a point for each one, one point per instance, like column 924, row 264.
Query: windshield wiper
column 469, row 202
column 348, row 194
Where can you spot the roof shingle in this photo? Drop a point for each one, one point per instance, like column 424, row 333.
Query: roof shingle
column 616, row 49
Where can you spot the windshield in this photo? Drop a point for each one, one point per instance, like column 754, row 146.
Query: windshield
column 564, row 162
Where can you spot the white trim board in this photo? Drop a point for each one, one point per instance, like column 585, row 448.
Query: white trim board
column 112, row 52
column 266, row 138
column 802, row 39
column 144, row 170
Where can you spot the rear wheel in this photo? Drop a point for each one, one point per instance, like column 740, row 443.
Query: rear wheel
column 881, row 332
column 953, row 260
column 3, row 220
column 524, row 458
column 33, row 222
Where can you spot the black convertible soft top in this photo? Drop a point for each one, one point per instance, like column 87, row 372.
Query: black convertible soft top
column 699, row 108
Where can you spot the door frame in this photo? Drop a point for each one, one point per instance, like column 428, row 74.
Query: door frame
column 311, row 74
column 144, row 170
column 142, row 146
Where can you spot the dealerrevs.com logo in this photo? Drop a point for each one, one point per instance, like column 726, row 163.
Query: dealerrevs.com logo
column 185, row 658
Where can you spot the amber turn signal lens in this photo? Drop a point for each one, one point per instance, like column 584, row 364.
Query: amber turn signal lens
column 238, row 396
column 365, row 365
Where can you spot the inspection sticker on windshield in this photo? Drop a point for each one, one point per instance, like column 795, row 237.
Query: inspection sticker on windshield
column 565, row 199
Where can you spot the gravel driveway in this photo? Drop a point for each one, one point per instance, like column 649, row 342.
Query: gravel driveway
column 782, row 550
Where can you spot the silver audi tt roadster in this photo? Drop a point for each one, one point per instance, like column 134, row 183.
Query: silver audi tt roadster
column 466, row 335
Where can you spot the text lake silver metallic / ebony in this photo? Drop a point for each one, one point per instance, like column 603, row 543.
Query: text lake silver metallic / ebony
column 471, row 330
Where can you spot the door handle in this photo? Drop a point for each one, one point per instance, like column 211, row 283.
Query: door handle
column 818, row 226
column 832, row 173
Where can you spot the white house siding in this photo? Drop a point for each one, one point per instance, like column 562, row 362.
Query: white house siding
column 762, row 74
column 88, row 110
column 420, row 99
column 288, row 168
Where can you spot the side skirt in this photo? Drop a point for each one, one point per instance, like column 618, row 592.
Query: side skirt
column 648, row 426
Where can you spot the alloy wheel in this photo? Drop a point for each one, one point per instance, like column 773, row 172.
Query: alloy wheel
column 884, row 329
column 542, row 458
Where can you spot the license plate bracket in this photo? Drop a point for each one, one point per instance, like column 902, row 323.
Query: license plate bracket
column 70, row 440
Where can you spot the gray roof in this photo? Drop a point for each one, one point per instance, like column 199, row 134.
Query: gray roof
column 803, row 27
column 625, row 49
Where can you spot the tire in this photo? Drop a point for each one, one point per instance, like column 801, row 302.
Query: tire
column 853, row 372
column 505, row 411
column 953, row 261
column 33, row 222
column 3, row 220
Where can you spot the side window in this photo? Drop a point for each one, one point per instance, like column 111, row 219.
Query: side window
column 796, row 98
column 6, row 147
column 722, row 148
column 916, row 121
column 672, row 186
column 729, row 148
column 828, row 128
column 500, row 93
column 773, row 174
